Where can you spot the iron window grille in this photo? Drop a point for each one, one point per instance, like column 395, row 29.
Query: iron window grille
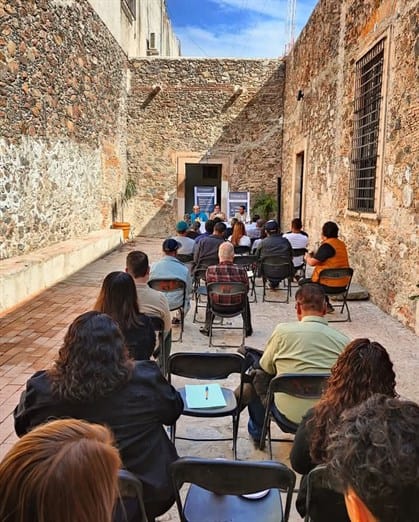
column 369, row 79
column 131, row 6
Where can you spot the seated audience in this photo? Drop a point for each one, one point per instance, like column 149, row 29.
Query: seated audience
column 374, row 455
column 252, row 229
column 207, row 248
column 118, row 299
column 229, row 230
column 239, row 236
column 168, row 267
column 227, row 272
column 331, row 254
column 308, row 345
column 274, row 245
column 194, row 231
column 361, row 370
column 260, row 225
column 94, row 379
column 186, row 243
column 217, row 213
column 298, row 239
column 65, row 470
column 209, row 229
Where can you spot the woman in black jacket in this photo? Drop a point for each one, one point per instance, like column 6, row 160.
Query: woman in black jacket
column 118, row 298
column 362, row 369
column 94, row 379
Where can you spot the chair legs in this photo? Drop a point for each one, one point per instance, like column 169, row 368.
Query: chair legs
column 342, row 308
column 211, row 331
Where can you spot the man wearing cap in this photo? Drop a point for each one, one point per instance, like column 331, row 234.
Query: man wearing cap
column 186, row 243
column 274, row 245
column 171, row 268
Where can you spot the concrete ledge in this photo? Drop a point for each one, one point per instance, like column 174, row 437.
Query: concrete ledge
column 24, row 276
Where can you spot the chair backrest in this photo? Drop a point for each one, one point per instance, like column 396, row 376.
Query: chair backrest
column 158, row 323
column 241, row 249
column 296, row 252
column 233, row 477
column 226, row 298
column 276, row 267
column 131, row 487
column 319, row 478
column 184, row 258
column 336, row 277
column 301, row 385
column 168, row 285
column 211, row 366
column 246, row 261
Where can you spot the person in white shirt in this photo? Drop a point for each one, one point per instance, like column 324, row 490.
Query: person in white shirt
column 298, row 239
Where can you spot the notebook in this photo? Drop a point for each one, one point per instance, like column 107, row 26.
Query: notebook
column 204, row 396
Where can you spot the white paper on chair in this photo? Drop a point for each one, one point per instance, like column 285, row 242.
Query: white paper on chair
column 204, row 396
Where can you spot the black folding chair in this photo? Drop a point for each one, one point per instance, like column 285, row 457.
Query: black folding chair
column 199, row 288
column 217, row 486
column 162, row 350
column 300, row 385
column 241, row 250
column 227, row 300
column 130, row 487
column 299, row 270
column 278, row 269
column 324, row 493
column 210, row 367
column 331, row 276
column 185, row 258
column 168, row 285
column 249, row 262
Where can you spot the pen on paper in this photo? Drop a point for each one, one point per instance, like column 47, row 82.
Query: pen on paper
column 206, row 393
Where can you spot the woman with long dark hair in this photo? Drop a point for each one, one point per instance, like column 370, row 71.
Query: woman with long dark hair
column 362, row 369
column 94, row 379
column 118, row 298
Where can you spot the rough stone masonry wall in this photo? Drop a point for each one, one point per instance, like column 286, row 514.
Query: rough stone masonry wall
column 384, row 251
column 62, row 123
column 195, row 111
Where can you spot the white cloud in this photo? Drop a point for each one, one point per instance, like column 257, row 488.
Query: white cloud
column 265, row 37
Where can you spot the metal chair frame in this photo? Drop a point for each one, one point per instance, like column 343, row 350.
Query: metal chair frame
column 216, row 486
column 318, row 478
column 329, row 274
column 276, row 267
column 300, row 385
column 300, row 270
column 167, row 285
column 224, row 311
column 209, row 366
column 131, row 486
column 250, row 263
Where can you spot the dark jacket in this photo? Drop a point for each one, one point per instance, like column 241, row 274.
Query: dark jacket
column 141, row 339
column 274, row 245
column 207, row 249
column 135, row 413
column 327, row 506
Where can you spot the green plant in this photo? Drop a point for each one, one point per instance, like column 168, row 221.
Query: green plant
column 122, row 199
column 265, row 205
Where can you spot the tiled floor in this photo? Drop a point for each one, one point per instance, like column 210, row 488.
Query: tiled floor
column 31, row 335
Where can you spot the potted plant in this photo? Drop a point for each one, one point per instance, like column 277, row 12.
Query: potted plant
column 265, row 205
column 118, row 206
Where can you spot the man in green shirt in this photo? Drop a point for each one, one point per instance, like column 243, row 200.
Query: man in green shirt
column 306, row 346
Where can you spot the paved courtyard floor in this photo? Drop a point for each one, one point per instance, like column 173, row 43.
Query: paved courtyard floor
column 31, row 335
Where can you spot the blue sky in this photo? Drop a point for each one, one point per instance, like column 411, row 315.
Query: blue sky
column 235, row 28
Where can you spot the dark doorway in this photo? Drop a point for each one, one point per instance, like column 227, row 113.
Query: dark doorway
column 202, row 175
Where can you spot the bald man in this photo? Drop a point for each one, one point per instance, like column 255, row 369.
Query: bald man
column 227, row 272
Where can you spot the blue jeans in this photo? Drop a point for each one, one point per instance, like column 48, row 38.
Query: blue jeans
column 256, row 417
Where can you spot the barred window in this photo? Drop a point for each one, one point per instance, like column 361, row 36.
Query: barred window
column 369, row 79
column 131, row 6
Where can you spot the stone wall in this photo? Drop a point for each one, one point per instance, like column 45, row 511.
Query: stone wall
column 383, row 247
column 62, row 123
column 231, row 108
